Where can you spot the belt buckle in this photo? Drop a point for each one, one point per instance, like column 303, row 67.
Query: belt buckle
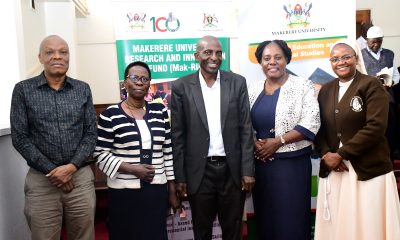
column 213, row 159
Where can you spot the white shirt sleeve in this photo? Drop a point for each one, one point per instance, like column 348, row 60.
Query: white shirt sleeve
column 395, row 74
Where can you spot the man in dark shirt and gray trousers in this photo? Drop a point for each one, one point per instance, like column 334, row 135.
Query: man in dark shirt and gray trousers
column 53, row 126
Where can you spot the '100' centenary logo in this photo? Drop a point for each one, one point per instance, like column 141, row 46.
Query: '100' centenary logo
column 160, row 24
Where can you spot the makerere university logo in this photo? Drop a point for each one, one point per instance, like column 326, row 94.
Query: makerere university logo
column 136, row 21
column 298, row 15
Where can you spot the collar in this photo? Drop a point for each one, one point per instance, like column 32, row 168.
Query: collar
column 203, row 82
column 355, row 77
column 345, row 84
column 42, row 81
column 378, row 53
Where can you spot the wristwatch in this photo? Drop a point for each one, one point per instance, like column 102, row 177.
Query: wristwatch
column 282, row 140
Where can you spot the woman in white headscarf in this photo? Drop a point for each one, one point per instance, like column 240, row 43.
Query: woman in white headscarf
column 357, row 195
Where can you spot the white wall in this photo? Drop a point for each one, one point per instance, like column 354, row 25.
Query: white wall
column 385, row 13
column 60, row 20
column 12, row 176
column 97, row 52
column 33, row 31
column 9, row 58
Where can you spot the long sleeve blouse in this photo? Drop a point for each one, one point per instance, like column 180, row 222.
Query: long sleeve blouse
column 119, row 141
column 297, row 108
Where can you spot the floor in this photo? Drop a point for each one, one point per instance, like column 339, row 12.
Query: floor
column 100, row 231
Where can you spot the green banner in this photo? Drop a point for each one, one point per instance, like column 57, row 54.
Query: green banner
column 167, row 58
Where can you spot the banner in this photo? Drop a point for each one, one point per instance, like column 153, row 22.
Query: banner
column 181, row 228
column 165, row 38
column 309, row 27
column 168, row 59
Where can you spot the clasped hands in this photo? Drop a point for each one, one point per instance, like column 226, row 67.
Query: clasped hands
column 61, row 177
column 144, row 172
column 334, row 162
column 265, row 148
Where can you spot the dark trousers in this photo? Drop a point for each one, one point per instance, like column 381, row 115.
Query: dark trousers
column 217, row 196
column 392, row 131
column 138, row 214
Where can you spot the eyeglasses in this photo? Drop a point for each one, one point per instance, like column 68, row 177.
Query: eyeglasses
column 135, row 78
column 343, row 58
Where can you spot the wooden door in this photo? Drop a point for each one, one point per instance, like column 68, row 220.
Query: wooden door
column 362, row 16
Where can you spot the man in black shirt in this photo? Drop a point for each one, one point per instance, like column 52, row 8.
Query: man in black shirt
column 53, row 126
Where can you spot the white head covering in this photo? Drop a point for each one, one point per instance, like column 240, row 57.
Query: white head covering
column 375, row 32
column 353, row 44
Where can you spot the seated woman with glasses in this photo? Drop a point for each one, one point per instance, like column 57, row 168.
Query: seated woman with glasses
column 134, row 151
column 357, row 194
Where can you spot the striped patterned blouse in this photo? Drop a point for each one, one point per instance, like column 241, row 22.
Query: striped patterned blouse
column 119, row 141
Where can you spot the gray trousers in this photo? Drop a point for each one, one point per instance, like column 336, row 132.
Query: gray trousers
column 46, row 206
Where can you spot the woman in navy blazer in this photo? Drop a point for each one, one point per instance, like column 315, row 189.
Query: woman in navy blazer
column 285, row 116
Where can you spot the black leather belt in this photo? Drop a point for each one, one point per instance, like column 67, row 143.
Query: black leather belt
column 216, row 159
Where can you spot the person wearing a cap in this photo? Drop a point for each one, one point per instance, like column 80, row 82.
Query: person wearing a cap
column 377, row 58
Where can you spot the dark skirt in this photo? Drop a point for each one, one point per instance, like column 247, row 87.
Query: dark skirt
column 282, row 196
column 138, row 213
